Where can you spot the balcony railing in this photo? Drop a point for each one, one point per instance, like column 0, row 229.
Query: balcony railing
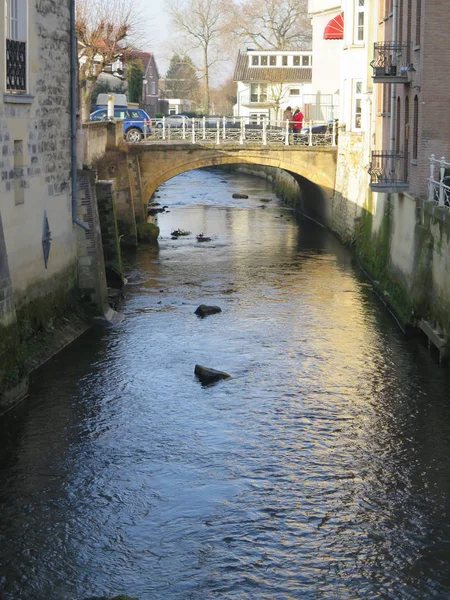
column 439, row 181
column 16, row 72
column 388, row 171
column 390, row 63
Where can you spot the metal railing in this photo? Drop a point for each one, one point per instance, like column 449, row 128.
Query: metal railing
column 16, row 66
column 245, row 130
column 391, row 62
column 388, row 170
column 439, row 181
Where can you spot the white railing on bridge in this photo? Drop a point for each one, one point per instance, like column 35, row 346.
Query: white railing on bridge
column 439, row 181
column 244, row 130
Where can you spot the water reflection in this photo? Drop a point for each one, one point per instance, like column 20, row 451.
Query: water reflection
column 318, row 471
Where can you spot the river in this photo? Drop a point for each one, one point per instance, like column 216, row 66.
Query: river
column 320, row 470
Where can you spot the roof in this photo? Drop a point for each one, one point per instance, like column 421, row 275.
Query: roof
column 146, row 58
column 335, row 28
column 243, row 72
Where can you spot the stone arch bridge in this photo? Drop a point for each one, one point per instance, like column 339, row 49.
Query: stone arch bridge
column 160, row 162
column 139, row 169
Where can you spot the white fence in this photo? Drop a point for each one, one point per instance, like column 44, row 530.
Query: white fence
column 439, row 181
column 244, row 130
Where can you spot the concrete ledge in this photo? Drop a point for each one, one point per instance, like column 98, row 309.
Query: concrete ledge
column 434, row 337
column 18, row 99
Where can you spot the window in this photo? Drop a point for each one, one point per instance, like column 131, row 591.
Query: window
column 264, row 61
column 416, row 128
column 397, row 133
column 99, row 115
column 294, row 92
column 418, row 21
column 408, row 31
column 16, row 51
column 359, row 16
column 357, row 110
column 153, row 87
column 258, row 92
column 135, row 115
column 273, row 61
column 297, row 61
column 255, row 61
column 284, row 61
column 306, row 61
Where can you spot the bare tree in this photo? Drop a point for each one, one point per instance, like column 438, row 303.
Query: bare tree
column 202, row 23
column 273, row 24
column 103, row 29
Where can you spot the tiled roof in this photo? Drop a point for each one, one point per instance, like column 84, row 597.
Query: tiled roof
column 243, row 72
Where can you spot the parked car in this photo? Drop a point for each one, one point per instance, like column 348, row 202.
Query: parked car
column 325, row 129
column 174, row 121
column 134, row 121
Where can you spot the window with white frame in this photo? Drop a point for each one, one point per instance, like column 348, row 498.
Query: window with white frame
column 16, row 50
column 306, row 61
column 294, row 92
column 255, row 61
column 359, row 20
column 258, row 92
column 273, row 61
column 357, row 104
column 284, row 60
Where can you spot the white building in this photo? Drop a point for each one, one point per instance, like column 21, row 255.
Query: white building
column 268, row 81
column 327, row 20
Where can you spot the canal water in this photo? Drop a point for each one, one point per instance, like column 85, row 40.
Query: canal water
column 320, row 470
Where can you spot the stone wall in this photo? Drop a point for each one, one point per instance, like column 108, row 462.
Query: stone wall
column 91, row 265
column 352, row 184
column 110, row 234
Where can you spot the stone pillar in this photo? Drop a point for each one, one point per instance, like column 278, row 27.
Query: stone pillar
column 114, row 165
column 91, row 264
column 110, row 236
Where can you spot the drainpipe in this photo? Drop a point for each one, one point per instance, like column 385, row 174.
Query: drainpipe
column 393, row 91
column 73, row 116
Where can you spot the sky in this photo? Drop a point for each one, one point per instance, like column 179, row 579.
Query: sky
column 158, row 39
column 156, row 34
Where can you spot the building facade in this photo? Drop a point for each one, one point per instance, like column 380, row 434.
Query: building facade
column 327, row 21
column 150, row 83
column 38, row 240
column 270, row 81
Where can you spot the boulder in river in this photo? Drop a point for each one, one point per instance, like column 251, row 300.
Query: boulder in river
column 203, row 238
column 240, row 196
column 209, row 376
column 204, row 310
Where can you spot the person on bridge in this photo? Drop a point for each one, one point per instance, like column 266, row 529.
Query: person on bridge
column 297, row 125
column 287, row 116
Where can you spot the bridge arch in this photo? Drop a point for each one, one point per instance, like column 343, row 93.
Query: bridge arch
column 160, row 162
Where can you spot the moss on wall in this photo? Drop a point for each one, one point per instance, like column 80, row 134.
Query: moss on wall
column 42, row 311
column 147, row 232
column 373, row 252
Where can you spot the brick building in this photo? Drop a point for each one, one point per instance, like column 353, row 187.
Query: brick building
column 411, row 91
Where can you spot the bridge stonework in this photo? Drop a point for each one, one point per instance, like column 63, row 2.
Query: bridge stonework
column 160, row 162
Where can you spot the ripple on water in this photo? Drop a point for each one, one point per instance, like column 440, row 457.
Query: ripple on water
column 320, row 470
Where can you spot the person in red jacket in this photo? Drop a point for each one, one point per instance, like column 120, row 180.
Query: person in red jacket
column 298, row 124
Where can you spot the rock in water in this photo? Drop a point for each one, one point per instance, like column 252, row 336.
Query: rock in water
column 208, row 376
column 204, row 310
column 240, row 196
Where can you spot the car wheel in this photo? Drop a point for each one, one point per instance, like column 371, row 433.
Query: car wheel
column 133, row 135
column 159, row 125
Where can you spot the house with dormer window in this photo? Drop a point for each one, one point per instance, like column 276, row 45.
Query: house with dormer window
column 268, row 81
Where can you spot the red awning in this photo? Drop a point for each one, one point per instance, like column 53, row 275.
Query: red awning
column 335, row 29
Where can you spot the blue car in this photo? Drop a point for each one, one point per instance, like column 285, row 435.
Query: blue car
column 134, row 121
